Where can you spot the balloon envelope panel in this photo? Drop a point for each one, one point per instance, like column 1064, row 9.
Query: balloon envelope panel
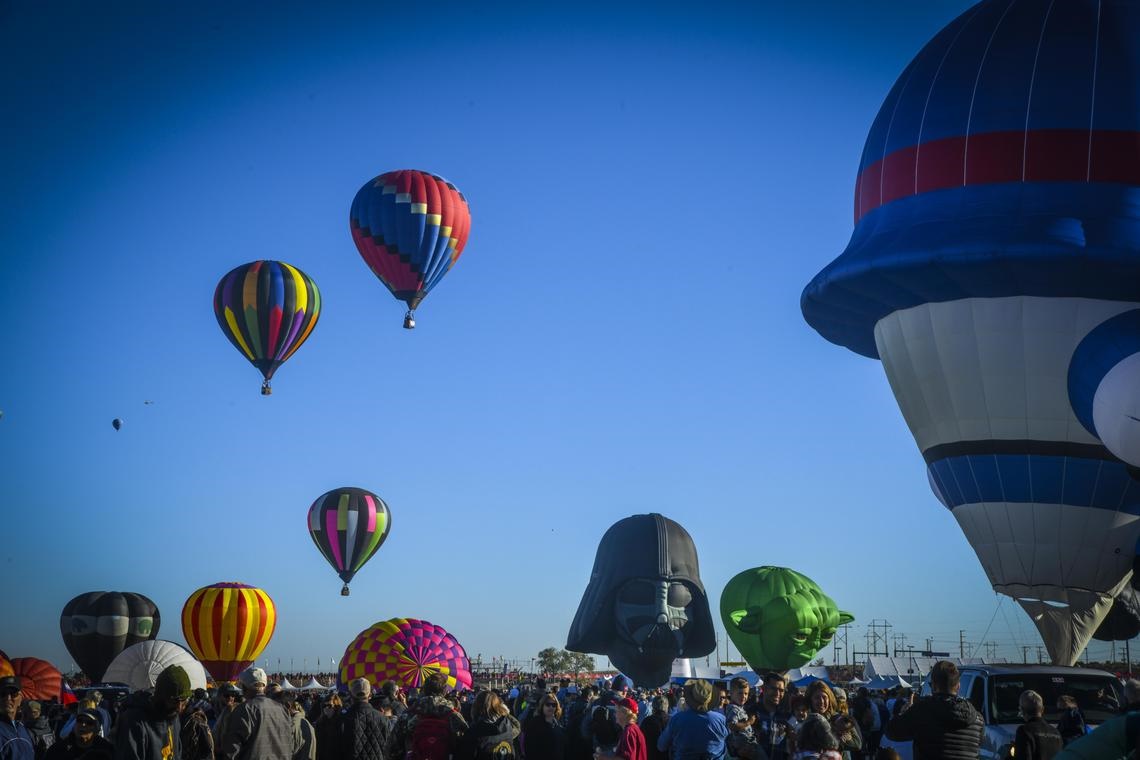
column 139, row 665
column 40, row 680
column 407, row 651
column 227, row 625
column 98, row 625
column 348, row 525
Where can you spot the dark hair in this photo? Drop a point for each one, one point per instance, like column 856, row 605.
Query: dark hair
column 944, row 676
column 815, row 734
column 738, row 682
column 389, row 689
column 774, row 676
column 435, row 685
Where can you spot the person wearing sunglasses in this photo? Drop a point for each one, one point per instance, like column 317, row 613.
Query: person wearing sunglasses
column 84, row 741
column 15, row 741
column 543, row 737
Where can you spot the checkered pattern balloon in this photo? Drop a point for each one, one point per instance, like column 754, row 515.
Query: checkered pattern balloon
column 406, row 651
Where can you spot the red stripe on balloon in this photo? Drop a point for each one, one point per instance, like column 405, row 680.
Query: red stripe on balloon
column 1043, row 155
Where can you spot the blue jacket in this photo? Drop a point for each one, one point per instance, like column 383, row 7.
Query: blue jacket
column 15, row 741
column 692, row 735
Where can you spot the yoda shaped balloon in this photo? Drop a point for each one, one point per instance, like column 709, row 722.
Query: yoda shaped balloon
column 778, row 618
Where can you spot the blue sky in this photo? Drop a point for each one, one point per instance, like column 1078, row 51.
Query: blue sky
column 651, row 188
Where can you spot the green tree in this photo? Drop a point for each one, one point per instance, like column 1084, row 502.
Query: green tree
column 552, row 660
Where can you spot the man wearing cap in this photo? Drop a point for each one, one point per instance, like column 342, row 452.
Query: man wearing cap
column 15, row 741
column 84, row 742
column 364, row 734
column 149, row 728
column 39, row 728
column 631, row 744
column 259, row 729
column 229, row 697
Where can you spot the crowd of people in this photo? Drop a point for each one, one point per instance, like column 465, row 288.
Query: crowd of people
column 256, row 719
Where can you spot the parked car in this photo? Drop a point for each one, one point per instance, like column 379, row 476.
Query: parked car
column 995, row 690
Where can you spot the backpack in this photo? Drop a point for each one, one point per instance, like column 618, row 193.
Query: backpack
column 503, row 750
column 431, row 738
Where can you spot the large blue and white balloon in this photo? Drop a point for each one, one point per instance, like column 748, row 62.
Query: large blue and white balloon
column 995, row 270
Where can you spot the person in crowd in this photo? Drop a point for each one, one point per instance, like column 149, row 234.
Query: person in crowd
column 364, row 734
column 149, row 727
column 229, row 697
column 800, row 709
column 943, row 725
column 631, row 743
column 653, row 724
column 38, row 726
column 492, row 732
column 1071, row 724
column 197, row 739
column 15, row 740
column 578, row 746
column 1131, row 696
column 430, row 721
column 543, row 737
column 771, row 728
column 887, row 753
column 1036, row 739
column 867, row 716
column 850, row 738
column 697, row 731
column 395, row 695
column 815, row 740
column 741, row 737
column 327, row 728
column 259, row 727
column 304, row 735
column 84, row 742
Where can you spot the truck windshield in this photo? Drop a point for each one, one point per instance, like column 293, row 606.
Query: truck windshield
column 1098, row 697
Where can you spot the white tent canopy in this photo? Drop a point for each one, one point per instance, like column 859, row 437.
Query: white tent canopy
column 286, row 686
column 138, row 666
column 314, row 684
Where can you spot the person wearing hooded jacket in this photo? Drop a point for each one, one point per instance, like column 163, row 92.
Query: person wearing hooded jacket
column 942, row 726
column 433, row 706
column 491, row 725
column 149, row 727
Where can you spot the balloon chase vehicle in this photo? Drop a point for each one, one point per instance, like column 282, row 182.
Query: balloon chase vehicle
column 994, row 269
column 645, row 605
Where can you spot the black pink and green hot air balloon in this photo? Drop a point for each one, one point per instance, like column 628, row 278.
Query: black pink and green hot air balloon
column 98, row 625
column 267, row 309
column 348, row 525
column 410, row 228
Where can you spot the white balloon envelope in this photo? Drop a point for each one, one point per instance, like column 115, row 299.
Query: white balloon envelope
column 138, row 666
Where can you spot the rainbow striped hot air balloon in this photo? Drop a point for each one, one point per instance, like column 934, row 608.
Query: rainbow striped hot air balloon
column 227, row 625
column 410, row 228
column 407, row 651
column 267, row 309
column 348, row 525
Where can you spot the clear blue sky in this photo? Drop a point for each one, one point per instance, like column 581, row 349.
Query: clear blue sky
column 651, row 188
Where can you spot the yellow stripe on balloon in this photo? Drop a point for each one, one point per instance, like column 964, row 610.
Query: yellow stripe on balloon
column 342, row 512
column 236, row 332
column 246, row 601
column 299, row 286
column 205, row 625
column 312, row 317
column 435, row 219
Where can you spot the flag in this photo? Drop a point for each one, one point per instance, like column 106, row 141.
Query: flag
column 66, row 695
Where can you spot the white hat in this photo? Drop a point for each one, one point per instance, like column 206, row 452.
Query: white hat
column 360, row 688
column 253, row 677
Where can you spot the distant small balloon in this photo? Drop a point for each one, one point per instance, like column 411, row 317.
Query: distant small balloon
column 148, row 402
column 116, row 423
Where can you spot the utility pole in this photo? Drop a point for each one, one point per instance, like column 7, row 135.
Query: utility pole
column 1025, row 654
column 898, row 644
column 877, row 641
column 1040, row 654
column 991, row 650
column 840, row 638
column 962, row 644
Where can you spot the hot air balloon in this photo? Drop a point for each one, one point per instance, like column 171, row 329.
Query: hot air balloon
column 39, row 679
column 645, row 604
column 227, row 625
column 5, row 665
column 138, row 665
column 778, row 618
column 116, row 423
column 407, row 651
column 98, row 625
column 410, row 227
column 994, row 237
column 267, row 309
column 348, row 525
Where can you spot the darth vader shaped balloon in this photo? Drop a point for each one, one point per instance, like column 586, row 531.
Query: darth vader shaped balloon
column 645, row 605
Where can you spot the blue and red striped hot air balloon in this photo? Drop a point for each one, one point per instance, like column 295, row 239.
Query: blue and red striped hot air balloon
column 410, row 227
column 267, row 309
column 348, row 525
column 994, row 269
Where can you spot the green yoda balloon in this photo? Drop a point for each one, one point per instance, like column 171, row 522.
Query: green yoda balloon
column 778, row 618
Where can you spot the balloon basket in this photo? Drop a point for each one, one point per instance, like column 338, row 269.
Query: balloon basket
column 265, row 389
column 410, row 320
column 344, row 590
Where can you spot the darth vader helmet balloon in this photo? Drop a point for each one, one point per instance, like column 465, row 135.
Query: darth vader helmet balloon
column 645, row 605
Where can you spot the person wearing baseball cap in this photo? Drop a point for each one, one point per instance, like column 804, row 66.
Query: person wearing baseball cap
column 15, row 741
column 84, row 740
column 149, row 727
column 631, row 744
column 259, row 727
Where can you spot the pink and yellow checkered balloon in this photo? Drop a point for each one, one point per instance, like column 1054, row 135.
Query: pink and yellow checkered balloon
column 406, row 651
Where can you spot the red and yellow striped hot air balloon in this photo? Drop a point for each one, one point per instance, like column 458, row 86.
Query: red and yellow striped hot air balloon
column 227, row 625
